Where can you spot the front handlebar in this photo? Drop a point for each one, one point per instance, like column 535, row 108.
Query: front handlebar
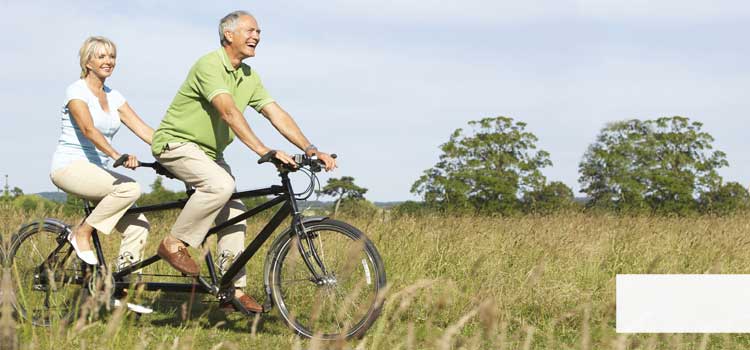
column 301, row 160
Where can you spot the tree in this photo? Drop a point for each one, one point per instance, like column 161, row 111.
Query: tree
column 728, row 198
column 357, row 207
column 16, row 192
column 343, row 188
column 73, row 205
column 553, row 197
column 410, row 208
column 659, row 165
column 159, row 194
column 33, row 202
column 487, row 169
column 609, row 172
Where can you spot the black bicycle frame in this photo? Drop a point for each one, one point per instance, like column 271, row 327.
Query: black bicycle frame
column 283, row 194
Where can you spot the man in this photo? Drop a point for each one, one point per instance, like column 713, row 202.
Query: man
column 201, row 121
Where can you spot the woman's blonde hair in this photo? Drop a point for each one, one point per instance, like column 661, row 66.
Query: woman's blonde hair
column 90, row 47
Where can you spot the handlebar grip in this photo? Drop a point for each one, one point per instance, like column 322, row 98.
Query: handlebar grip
column 120, row 161
column 267, row 157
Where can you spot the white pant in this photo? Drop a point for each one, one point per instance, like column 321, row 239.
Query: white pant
column 114, row 194
column 210, row 204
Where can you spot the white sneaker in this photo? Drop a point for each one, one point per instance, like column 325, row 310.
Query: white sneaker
column 87, row 256
column 139, row 309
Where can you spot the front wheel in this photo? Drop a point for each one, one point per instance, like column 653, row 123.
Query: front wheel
column 349, row 299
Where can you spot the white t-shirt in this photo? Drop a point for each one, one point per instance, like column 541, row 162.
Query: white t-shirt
column 73, row 145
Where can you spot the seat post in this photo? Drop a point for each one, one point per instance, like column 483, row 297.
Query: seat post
column 87, row 207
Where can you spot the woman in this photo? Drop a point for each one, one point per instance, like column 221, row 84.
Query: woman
column 90, row 118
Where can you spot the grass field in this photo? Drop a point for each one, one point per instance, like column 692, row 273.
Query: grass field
column 454, row 282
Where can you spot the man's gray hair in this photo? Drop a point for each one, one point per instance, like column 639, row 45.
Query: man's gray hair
column 229, row 23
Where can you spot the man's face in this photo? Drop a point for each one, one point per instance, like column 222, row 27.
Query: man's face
column 246, row 36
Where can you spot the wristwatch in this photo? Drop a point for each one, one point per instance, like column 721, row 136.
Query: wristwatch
column 310, row 148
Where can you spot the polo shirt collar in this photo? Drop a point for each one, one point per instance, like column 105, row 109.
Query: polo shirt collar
column 225, row 60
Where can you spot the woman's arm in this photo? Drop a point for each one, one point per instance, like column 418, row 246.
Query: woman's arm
column 135, row 123
column 82, row 116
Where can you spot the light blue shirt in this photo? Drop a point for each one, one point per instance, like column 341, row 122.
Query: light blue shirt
column 72, row 145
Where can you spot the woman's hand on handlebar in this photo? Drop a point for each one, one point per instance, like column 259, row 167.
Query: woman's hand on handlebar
column 131, row 162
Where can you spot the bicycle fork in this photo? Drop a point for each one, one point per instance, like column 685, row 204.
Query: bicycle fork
column 305, row 244
column 307, row 250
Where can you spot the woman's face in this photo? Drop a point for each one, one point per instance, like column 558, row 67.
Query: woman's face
column 102, row 63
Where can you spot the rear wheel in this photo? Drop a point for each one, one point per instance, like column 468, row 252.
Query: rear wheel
column 347, row 302
column 48, row 278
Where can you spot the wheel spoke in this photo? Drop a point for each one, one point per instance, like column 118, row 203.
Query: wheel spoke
column 322, row 252
column 333, row 307
column 36, row 250
column 297, row 280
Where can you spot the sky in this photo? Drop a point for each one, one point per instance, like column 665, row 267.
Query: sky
column 384, row 83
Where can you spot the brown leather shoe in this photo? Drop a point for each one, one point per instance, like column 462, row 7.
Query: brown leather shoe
column 180, row 260
column 247, row 301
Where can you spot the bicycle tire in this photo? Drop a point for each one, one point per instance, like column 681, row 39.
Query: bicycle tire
column 318, row 311
column 31, row 260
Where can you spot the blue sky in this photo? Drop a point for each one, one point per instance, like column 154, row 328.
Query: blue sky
column 384, row 83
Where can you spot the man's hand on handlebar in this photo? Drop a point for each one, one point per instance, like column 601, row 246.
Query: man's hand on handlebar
column 285, row 158
column 298, row 160
column 131, row 162
column 329, row 161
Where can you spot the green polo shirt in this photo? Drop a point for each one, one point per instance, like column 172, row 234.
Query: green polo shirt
column 192, row 118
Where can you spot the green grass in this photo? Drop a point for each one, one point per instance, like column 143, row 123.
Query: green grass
column 454, row 282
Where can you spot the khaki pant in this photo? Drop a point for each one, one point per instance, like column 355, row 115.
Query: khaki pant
column 114, row 194
column 214, row 185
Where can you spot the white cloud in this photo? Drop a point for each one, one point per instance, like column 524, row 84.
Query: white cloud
column 507, row 12
column 681, row 10
column 451, row 11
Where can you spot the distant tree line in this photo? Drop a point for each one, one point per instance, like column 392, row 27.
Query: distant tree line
column 662, row 166
column 15, row 198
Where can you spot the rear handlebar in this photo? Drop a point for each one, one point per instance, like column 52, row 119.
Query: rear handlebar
column 160, row 169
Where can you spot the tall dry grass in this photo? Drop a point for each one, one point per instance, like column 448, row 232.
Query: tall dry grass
column 454, row 282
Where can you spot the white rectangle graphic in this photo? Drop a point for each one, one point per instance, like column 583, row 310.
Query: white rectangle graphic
column 683, row 303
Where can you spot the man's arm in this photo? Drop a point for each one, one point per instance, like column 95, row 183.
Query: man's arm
column 224, row 104
column 284, row 123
